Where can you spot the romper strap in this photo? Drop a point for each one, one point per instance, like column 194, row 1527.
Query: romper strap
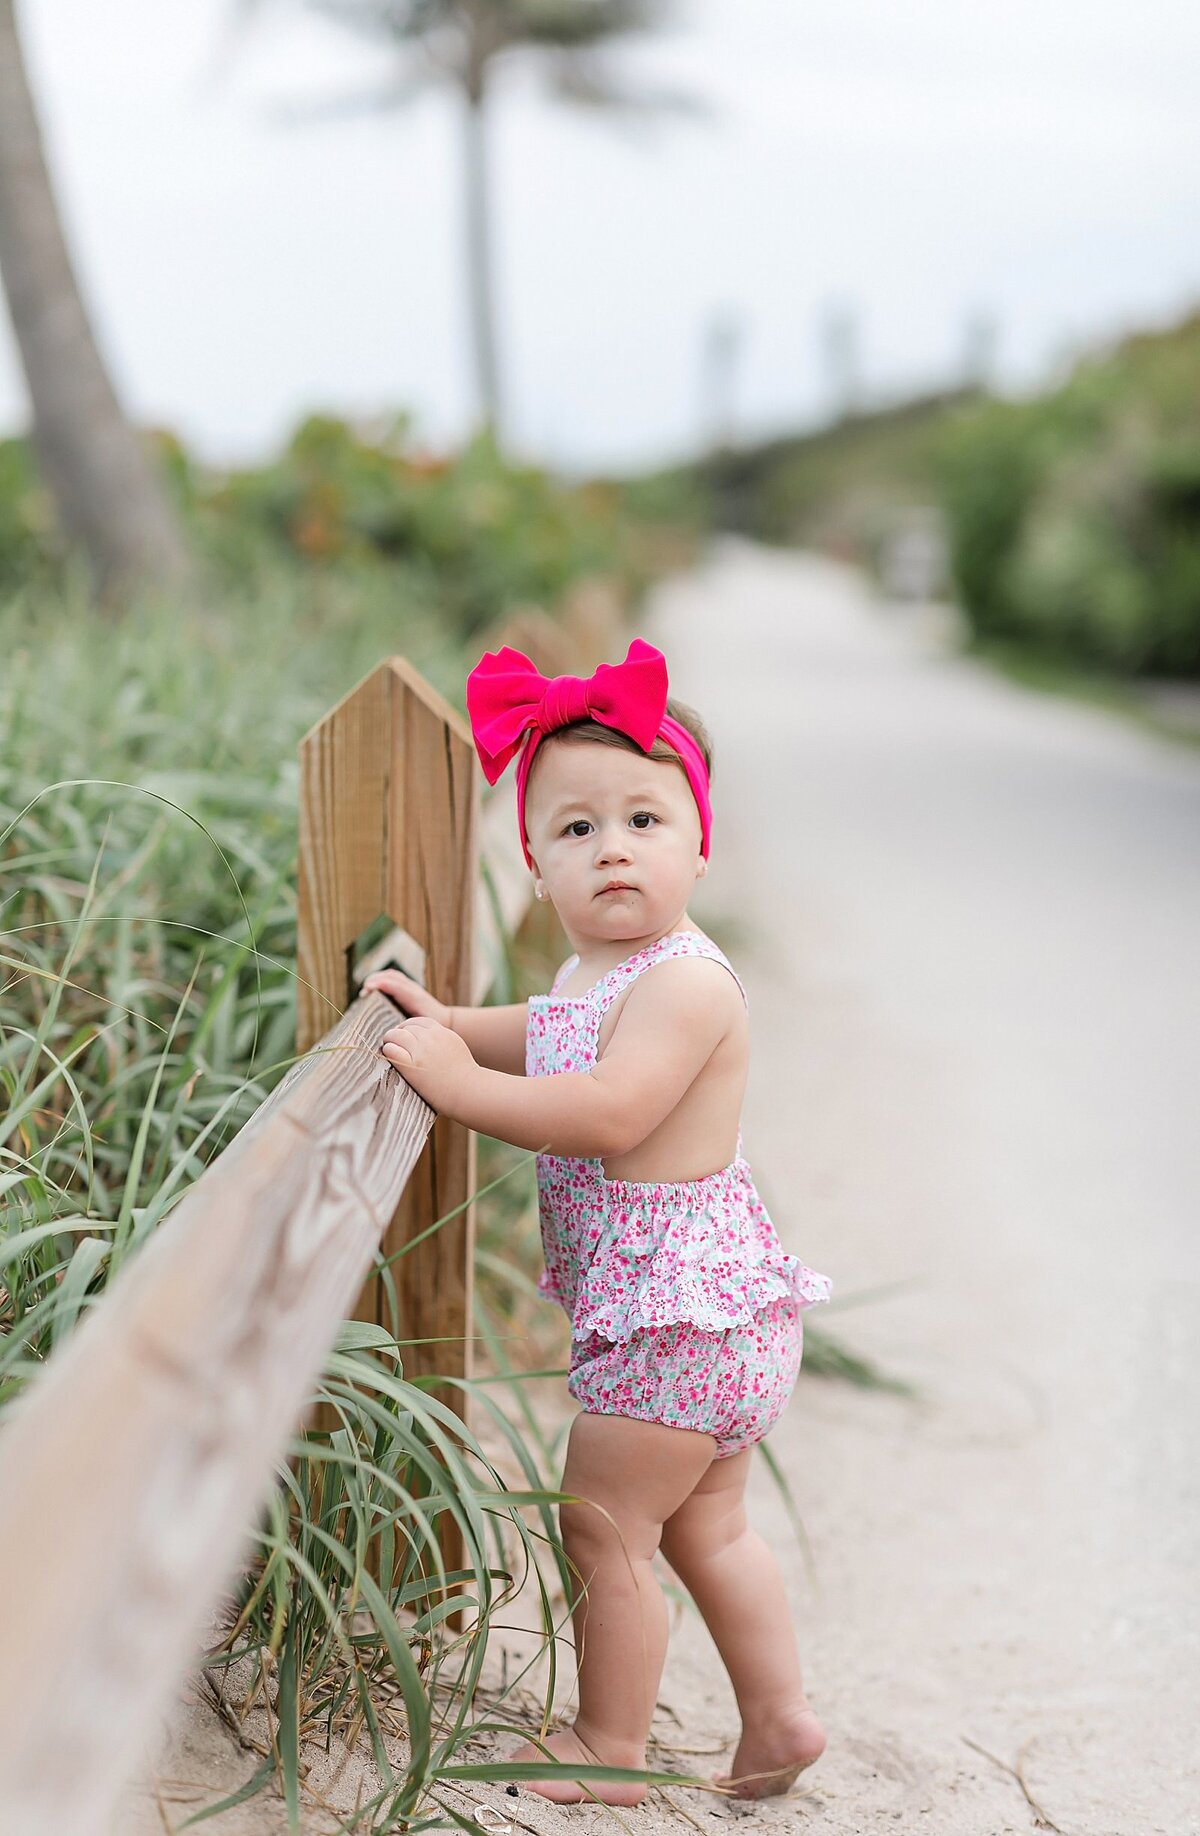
column 678, row 943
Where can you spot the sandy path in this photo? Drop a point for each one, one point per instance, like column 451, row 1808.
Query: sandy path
column 970, row 921
column 966, row 915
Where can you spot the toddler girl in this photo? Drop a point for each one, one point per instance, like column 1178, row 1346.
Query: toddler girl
column 684, row 1307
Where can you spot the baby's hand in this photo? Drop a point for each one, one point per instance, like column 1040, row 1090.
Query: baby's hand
column 407, row 994
column 436, row 1062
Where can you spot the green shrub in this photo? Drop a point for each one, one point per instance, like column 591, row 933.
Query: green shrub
column 27, row 541
column 470, row 537
column 1074, row 520
column 989, row 475
column 343, row 513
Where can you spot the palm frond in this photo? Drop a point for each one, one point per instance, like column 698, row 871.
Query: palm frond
column 585, row 82
column 575, row 24
column 419, row 25
column 434, row 34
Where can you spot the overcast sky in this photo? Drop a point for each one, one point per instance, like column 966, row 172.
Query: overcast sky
column 918, row 161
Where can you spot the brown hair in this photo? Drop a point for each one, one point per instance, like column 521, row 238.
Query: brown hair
column 588, row 729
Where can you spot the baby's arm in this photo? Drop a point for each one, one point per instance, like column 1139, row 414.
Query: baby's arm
column 673, row 1018
column 496, row 1035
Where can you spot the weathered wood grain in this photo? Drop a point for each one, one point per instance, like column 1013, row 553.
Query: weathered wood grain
column 133, row 1469
column 389, row 804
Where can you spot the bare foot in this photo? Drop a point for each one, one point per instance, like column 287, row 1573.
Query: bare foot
column 772, row 1754
column 567, row 1746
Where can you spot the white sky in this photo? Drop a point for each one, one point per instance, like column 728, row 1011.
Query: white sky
column 918, row 159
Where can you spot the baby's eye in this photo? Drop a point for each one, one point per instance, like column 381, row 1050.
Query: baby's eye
column 648, row 814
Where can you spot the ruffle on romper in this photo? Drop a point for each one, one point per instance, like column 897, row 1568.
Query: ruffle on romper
column 704, row 1251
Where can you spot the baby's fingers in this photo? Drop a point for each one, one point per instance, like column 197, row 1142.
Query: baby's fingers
column 388, row 981
column 395, row 1035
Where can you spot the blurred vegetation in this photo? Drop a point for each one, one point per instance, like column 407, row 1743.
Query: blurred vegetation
column 28, row 539
column 347, row 516
column 1071, row 521
column 1074, row 519
column 840, row 489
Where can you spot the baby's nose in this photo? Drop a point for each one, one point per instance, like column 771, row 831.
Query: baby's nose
column 613, row 847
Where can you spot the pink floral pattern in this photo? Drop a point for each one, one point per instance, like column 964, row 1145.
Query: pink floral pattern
column 684, row 1305
column 733, row 1384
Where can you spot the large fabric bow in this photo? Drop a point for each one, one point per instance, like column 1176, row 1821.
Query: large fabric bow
column 507, row 695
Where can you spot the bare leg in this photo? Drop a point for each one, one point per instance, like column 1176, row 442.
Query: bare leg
column 639, row 1473
column 735, row 1581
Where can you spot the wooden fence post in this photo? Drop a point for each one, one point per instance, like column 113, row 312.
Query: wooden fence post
column 389, row 803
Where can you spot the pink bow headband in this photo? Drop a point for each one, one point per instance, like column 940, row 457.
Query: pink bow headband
column 506, row 696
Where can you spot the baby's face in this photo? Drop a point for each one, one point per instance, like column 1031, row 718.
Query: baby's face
column 596, row 813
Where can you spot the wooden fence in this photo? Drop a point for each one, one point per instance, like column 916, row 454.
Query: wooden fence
column 133, row 1469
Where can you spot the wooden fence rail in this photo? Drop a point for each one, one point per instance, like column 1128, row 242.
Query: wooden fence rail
column 131, row 1472
column 133, row 1469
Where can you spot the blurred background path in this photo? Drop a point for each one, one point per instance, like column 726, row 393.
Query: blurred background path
column 968, row 919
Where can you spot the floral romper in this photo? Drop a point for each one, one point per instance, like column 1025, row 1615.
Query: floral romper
column 684, row 1306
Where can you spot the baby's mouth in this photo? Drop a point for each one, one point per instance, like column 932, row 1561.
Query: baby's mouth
column 618, row 888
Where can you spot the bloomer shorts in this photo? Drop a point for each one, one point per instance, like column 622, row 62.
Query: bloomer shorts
column 733, row 1384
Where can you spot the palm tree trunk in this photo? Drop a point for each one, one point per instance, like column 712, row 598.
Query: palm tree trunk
column 479, row 250
column 109, row 495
